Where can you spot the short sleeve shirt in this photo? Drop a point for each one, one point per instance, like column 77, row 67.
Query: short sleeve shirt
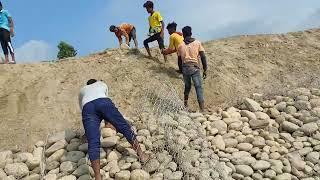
column 175, row 41
column 190, row 52
column 155, row 21
column 4, row 19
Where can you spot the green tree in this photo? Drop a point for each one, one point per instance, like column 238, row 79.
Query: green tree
column 66, row 50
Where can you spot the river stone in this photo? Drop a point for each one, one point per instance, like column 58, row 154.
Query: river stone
column 18, row 170
column 73, row 156
column 139, row 174
column 245, row 170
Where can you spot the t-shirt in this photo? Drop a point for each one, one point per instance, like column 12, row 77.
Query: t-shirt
column 92, row 92
column 175, row 41
column 155, row 22
column 4, row 19
column 125, row 30
column 190, row 52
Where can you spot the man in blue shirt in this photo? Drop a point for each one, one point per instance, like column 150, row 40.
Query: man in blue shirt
column 6, row 29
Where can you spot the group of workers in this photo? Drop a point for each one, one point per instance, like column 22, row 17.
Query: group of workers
column 189, row 50
column 97, row 106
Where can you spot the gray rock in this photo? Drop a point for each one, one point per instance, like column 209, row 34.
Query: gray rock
column 85, row 177
column 270, row 174
column 259, row 123
column 50, row 177
column 152, row 165
column 122, row 175
column 219, row 143
column 220, row 125
column 4, row 155
column 248, row 114
column 68, row 166
column 63, row 135
column 309, row 128
column 2, row 174
column 252, row 105
column 176, row 175
column 289, row 127
column 23, row 157
column 245, row 170
column 261, row 165
column 285, row 176
column 18, row 170
column 109, row 142
column 73, row 156
column 108, row 132
column 139, row 174
column 82, row 170
column 57, row 155
column 69, row 177
column 52, row 165
column 313, row 157
column 56, row 146
column 302, row 105
column 32, row 177
column 244, row 146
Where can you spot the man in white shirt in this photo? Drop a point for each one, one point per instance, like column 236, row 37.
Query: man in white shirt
column 95, row 106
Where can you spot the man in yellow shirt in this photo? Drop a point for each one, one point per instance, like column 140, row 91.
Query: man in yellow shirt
column 156, row 26
column 176, row 39
column 126, row 30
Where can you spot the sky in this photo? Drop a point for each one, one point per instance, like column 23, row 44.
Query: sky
column 40, row 25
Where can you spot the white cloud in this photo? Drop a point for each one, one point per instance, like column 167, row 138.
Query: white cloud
column 35, row 51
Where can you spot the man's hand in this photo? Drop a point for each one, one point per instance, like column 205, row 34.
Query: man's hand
column 12, row 32
column 204, row 74
column 162, row 34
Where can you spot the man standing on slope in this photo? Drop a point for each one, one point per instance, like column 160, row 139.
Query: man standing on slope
column 95, row 106
column 126, row 30
column 176, row 39
column 156, row 31
column 6, row 29
column 190, row 50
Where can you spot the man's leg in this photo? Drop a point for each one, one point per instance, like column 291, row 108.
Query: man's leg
column 91, row 124
column 161, row 45
column 10, row 47
column 180, row 64
column 111, row 114
column 147, row 41
column 134, row 37
column 187, row 88
column 196, row 78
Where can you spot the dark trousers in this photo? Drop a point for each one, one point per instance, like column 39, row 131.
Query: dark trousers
column 6, row 41
column 155, row 37
column 92, row 115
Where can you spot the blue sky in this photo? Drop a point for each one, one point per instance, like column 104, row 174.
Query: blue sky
column 40, row 25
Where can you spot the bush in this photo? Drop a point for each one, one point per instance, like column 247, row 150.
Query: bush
column 66, row 50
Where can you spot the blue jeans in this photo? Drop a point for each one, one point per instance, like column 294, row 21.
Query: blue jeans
column 92, row 115
column 196, row 79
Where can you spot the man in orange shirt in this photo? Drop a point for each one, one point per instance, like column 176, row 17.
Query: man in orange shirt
column 176, row 39
column 190, row 51
column 126, row 30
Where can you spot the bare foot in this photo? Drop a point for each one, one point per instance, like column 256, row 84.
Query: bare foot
column 144, row 157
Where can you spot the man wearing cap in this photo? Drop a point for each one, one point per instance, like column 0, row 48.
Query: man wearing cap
column 126, row 30
column 95, row 106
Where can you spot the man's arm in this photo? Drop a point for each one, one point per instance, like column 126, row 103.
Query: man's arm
column 120, row 40
column 204, row 63
column 11, row 24
column 125, row 34
column 162, row 29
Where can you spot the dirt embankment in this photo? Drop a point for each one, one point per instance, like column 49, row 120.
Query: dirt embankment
column 39, row 98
